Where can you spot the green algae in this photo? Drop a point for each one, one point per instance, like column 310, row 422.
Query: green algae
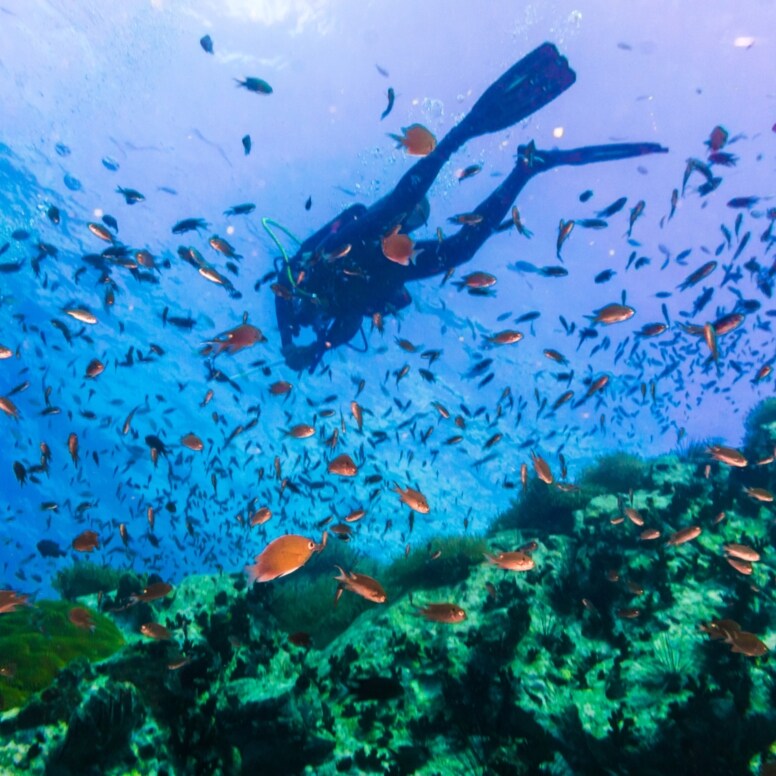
column 424, row 569
column 542, row 508
column 37, row 641
column 615, row 473
column 760, row 434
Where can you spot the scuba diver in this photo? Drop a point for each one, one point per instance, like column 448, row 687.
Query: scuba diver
column 342, row 273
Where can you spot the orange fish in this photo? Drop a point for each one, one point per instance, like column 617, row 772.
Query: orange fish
column 355, row 515
column 506, row 337
column 741, row 551
column 301, row 431
column 398, row 248
column 720, row 629
column 282, row 556
column 449, row 614
column 741, row 566
column 261, row 516
column 82, row 315
column 358, row 414
column 542, row 469
column 649, row 534
column 476, row 280
column 553, row 355
column 8, row 407
column 341, row 531
column 612, row 313
column 467, row 219
column 81, row 618
column 98, row 230
column 193, row 442
column 416, row 140
column 280, row 388
column 72, row 446
column 94, row 368
column 634, row 516
column 86, row 541
column 759, row 494
column 343, row 465
column 10, row 601
column 511, row 561
column 362, row 585
column 597, row 385
column 745, row 643
column 153, row 592
column 155, row 631
column 684, row 535
column 710, row 337
column 728, row 455
column 414, row 499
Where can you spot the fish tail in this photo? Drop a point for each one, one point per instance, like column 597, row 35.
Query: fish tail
column 253, row 573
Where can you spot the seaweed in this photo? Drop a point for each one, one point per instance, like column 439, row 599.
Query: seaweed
column 418, row 571
column 543, row 508
column 615, row 473
column 760, row 429
column 85, row 578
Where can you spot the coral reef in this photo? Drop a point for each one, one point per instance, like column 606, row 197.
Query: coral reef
column 591, row 661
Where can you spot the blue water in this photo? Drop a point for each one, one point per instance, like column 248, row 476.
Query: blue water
column 98, row 96
column 590, row 659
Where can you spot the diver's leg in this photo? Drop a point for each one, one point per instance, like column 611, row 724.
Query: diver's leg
column 611, row 152
column 435, row 257
column 526, row 87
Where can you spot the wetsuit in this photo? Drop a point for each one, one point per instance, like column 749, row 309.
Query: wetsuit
column 340, row 275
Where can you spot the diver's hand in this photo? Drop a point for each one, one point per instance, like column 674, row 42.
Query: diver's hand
column 300, row 357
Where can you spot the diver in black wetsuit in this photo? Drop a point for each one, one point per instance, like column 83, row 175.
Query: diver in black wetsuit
column 340, row 274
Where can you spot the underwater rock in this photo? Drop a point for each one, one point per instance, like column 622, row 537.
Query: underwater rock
column 275, row 734
column 98, row 733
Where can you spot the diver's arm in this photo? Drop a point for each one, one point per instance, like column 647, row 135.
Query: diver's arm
column 284, row 312
column 434, row 257
column 339, row 332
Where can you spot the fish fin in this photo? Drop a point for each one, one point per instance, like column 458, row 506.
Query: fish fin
column 253, row 573
column 530, row 84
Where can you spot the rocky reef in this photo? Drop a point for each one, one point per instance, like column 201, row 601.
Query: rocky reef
column 592, row 661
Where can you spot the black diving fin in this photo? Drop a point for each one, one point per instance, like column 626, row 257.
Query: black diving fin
column 530, row 84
